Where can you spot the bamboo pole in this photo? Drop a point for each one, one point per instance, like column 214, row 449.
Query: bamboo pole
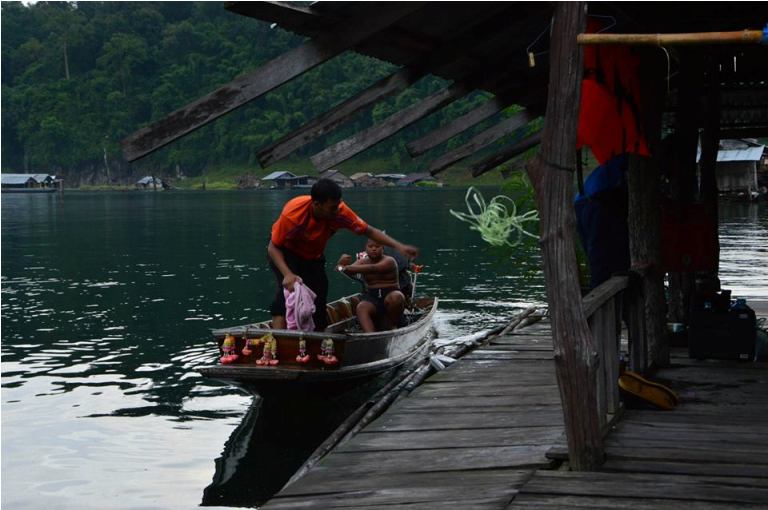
column 691, row 39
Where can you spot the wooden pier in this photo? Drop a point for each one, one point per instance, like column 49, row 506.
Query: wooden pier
column 471, row 435
column 488, row 431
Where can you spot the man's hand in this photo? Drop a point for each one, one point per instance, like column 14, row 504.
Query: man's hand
column 289, row 280
column 345, row 260
column 410, row 251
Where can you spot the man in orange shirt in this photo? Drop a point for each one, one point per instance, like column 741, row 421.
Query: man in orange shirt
column 298, row 241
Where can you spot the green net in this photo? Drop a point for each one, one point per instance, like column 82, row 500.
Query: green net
column 498, row 222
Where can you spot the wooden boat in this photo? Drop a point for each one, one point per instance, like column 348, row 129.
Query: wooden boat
column 278, row 361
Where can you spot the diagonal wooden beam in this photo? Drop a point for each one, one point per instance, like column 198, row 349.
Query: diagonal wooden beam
column 435, row 62
column 335, row 117
column 257, row 83
column 456, row 126
column 479, row 141
column 505, row 155
column 356, row 144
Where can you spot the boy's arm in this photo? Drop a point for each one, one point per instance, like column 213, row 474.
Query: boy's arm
column 384, row 265
column 344, row 260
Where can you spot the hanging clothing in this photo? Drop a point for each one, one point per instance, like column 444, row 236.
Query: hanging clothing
column 601, row 215
column 299, row 307
column 609, row 115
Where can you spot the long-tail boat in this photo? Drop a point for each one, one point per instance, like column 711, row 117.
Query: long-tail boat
column 267, row 361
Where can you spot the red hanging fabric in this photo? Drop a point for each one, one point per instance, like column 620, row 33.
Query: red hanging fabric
column 610, row 102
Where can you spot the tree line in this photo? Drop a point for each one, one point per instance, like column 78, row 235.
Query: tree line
column 78, row 77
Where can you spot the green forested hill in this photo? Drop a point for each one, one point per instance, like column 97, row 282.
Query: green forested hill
column 79, row 77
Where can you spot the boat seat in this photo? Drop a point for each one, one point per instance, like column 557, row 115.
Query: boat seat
column 333, row 316
column 345, row 309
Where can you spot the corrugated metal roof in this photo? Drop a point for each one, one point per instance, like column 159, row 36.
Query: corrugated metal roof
column 17, row 178
column 753, row 153
column 148, row 180
column 412, row 178
column 748, row 154
column 278, row 175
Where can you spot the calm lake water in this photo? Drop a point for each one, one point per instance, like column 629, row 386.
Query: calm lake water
column 107, row 303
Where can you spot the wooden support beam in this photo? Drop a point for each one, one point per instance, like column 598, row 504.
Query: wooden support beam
column 332, row 119
column 285, row 14
column 456, row 126
column 683, row 181
column 504, row 155
column 447, row 54
column 576, row 358
column 710, row 145
column 644, row 218
column 257, row 83
column 479, row 141
column 356, row 144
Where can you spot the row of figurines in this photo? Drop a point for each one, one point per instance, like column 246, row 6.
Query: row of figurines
column 269, row 353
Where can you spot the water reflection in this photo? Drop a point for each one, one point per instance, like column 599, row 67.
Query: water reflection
column 274, row 439
column 743, row 235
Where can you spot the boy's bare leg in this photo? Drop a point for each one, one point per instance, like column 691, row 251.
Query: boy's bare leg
column 365, row 313
column 395, row 304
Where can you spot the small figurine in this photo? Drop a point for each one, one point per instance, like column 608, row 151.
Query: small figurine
column 250, row 345
column 273, row 350
column 326, row 352
column 228, row 349
column 302, row 357
column 269, row 356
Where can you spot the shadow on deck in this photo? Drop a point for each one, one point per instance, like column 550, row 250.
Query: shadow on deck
column 710, row 452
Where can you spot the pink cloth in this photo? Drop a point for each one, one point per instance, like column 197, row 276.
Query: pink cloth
column 299, row 307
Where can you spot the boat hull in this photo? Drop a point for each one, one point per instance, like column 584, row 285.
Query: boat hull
column 361, row 356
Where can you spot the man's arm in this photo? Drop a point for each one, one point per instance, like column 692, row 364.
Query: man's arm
column 279, row 260
column 380, row 237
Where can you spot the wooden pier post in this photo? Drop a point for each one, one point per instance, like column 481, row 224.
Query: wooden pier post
column 644, row 179
column 710, row 144
column 683, row 178
column 552, row 175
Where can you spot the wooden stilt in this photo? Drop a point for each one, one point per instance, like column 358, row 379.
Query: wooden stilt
column 551, row 173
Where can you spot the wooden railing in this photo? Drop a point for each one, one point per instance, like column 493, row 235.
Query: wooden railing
column 604, row 307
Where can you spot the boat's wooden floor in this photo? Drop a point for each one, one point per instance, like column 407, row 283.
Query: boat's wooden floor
column 475, row 436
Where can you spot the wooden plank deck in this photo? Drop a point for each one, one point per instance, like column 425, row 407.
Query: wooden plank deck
column 475, row 436
column 710, row 452
column 469, row 436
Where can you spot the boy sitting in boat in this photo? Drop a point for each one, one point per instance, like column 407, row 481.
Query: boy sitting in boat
column 383, row 300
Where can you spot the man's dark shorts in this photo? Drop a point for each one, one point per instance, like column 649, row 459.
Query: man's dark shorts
column 312, row 273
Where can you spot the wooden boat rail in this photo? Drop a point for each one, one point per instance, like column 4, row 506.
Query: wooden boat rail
column 603, row 307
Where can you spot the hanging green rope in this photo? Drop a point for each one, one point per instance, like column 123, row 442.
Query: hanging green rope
column 497, row 223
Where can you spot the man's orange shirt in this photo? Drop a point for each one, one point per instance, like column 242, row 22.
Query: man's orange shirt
column 298, row 231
